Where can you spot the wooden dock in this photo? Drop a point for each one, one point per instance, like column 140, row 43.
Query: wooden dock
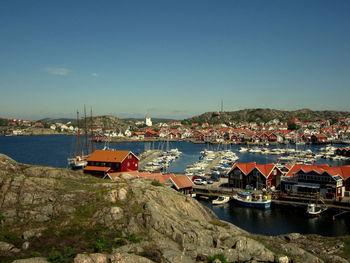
column 291, row 202
column 148, row 156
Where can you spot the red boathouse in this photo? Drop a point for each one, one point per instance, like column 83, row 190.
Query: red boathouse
column 101, row 162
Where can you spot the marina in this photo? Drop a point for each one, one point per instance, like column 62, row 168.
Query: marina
column 285, row 216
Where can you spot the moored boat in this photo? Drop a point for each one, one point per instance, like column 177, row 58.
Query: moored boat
column 315, row 209
column 251, row 200
column 221, row 200
column 77, row 162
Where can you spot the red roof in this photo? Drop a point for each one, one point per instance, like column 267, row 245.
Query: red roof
column 246, row 168
column 342, row 171
column 109, row 156
column 182, row 181
column 264, row 169
column 96, row 168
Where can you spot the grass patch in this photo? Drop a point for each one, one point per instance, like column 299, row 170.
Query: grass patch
column 220, row 257
column 156, row 183
column 136, row 208
column 10, row 237
column 219, row 223
column 268, row 246
column 66, row 255
column 346, row 250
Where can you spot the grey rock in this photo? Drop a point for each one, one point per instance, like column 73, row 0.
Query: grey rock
column 15, row 250
column 281, row 259
column 127, row 258
column 337, row 259
column 37, row 232
column 305, row 256
column 25, row 245
column 10, row 199
column 83, row 258
column 4, row 246
column 127, row 176
column 31, row 260
column 114, row 258
column 292, row 236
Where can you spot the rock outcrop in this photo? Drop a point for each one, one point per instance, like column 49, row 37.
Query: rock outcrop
column 60, row 214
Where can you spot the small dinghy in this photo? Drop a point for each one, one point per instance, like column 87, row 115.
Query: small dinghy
column 221, row 200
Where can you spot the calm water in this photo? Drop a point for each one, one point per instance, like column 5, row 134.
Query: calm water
column 281, row 220
column 53, row 150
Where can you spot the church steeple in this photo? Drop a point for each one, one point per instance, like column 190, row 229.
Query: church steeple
column 148, row 120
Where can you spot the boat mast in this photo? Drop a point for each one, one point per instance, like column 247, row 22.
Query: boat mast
column 86, row 132
column 77, row 142
column 91, row 132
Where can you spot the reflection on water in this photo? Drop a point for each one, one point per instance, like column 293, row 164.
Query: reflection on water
column 281, row 220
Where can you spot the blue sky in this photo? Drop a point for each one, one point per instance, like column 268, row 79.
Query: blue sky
column 172, row 59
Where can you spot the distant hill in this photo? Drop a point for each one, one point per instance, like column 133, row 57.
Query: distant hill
column 153, row 119
column 59, row 120
column 265, row 115
column 108, row 123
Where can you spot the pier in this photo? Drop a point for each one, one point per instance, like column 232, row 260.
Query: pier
column 214, row 192
column 148, row 156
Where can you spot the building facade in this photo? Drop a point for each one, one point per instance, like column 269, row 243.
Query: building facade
column 101, row 162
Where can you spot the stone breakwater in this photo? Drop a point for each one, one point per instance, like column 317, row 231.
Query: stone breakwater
column 49, row 214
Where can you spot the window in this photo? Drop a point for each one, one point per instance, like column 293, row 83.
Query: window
column 128, row 164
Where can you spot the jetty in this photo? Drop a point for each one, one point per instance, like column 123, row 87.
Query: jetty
column 148, row 156
column 215, row 191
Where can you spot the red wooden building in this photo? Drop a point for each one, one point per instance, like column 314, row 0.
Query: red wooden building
column 255, row 175
column 328, row 181
column 319, row 138
column 101, row 162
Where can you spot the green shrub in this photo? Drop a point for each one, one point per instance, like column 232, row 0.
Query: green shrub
column 35, row 254
column 156, row 183
column 64, row 256
column 218, row 223
column 220, row 257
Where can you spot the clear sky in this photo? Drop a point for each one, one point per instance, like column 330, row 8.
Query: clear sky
column 173, row 58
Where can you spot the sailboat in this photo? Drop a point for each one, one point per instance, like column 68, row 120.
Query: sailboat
column 79, row 160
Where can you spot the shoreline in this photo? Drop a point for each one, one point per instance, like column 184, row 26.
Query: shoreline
column 123, row 140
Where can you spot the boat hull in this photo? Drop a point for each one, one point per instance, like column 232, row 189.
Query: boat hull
column 256, row 204
column 221, row 200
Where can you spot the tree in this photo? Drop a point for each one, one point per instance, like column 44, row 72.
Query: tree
column 292, row 126
column 4, row 122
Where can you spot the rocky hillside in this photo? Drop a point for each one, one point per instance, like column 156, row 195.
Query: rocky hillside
column 265, row 115
column 107, row 123
column 57, row 215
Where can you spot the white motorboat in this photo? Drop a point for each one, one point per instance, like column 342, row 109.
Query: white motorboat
column 315, row 209
column 221, row 200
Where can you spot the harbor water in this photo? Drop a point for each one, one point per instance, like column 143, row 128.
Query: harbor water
column 53, row 150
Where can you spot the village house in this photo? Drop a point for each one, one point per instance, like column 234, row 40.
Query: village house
column 138, row 135
column 319, row 138
column 327, row 181
column 101, row 162
column 257, row 176
column 150, row 134
column 344, row 151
